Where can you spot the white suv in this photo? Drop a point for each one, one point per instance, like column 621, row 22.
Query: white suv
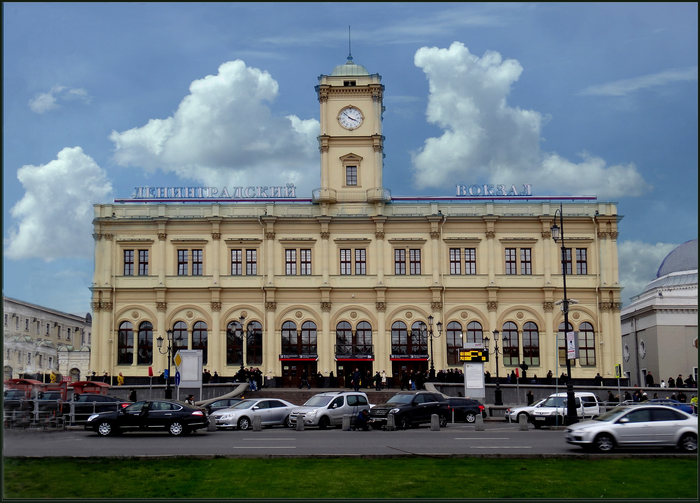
column 327, row 409
column 553, row 410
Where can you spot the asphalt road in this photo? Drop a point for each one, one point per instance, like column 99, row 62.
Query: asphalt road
column 497, row 439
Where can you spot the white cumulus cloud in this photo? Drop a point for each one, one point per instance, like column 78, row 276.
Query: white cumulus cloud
column 638, row 263
column 56, row 211
column 225, row 134
column 485, row 139
column 45, row 102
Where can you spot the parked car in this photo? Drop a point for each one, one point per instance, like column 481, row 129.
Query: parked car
column 14, row 399
column 685, row 407
column 515, row 413
column 638, row 426
column 553, row 410
column 88, row 404
column 272, row 411
column 465, row 409
column 177, row 418
column 223, row 403
column 411, row 408
column 327, row 409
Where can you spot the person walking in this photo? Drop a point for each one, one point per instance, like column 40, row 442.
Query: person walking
column 650, row 380
column 132, row 395
column 304, row 380
column 189, row 400
column 356, row 379
column 679, row 381
column 530, row 398
column 120, row 379
column 671, row 382
column 404, row 380
column 549, row 377
column 377, row 381
column 663, row 383
column 598, row 379
column 383, row 379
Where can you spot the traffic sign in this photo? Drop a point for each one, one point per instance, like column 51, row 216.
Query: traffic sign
column 177, row 378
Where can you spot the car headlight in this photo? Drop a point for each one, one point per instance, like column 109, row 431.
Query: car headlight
column 311, row 413
column 226, row 417
column 93, row 417
column 394, row 411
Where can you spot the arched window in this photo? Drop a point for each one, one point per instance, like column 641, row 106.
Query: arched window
column 290, row 338
column 475, row 333
column 419, row 338
column 234, row 343
column 145, row 351
column 399, row 338
column 343, row 338
column 125, row 346
column 454, row 342
column 531, row 344
column 308, row 338
column 199, row 339
column 254, row 344
column 179, row 336
column 561, row 342
column 511, row 350
column 586, row 344
column 363, row 339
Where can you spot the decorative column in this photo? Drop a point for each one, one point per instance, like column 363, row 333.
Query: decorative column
column 160, row 361
column 217, row 342
column 272, row 346
column 548, row 341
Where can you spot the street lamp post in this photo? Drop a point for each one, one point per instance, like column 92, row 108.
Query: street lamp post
column 168, row 351
column 431, row 375
column 570, row 399
column 498, row 394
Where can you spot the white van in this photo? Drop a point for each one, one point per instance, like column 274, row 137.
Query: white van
column 553, row 410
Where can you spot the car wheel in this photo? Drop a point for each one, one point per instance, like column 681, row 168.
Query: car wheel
column 324, row 422
column 689, row 442
column 287, row 422
column 176, row 428
column 105, row 429
column 443, row 421
column 604, row 443
column 405, row 423
column 470, row 417
column 243, row 423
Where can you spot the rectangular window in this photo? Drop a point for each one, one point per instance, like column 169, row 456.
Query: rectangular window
column 236, row 262
column 470, row 261
column 143, row 262
column 350, row 175
column 48, row 329
column 567, row 260
column 525, row 261
column 581, row 261
column 360, row 262
column 455, row 261
column 26, row 324
column 182, row 263
column 400, row 262
column 197, row 262
column 290, row 258
column 305, row 256
column 511, row 261
column 68, row 334
column 251, row 262
column 414, row 256
column 128, row 262
column 345, row 262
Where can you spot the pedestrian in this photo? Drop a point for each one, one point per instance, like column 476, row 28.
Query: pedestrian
column 215, row 377
column 404, row 380
column 132, row 395
column 671, row 382
column 120, row 379
column 331, row 380
column 656, row 395
column 420, row 379
column 383, row 379
column 413, row 380
column 377, row 381
column 362, row 420
column 549, row 377
column 105, row 376
column 252, row 384
column 690, row 382
column 189, row 400
column 487, row 377
column 356, row 376
column 598, row 379
column 368, row 379
column 663, row 383
column 534, row 379
column 681, row 397
column 206, row 376
column 628, row 396
column 530, row 398
column 611, row 397
column 679, row 381
column 673, row 396
column 305, row 380
column 650, row 380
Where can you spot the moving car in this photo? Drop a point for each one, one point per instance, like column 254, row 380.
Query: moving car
column 272, row 411
column 685, row 407
column 465, row 409
column 327, row 409
column 637, row 426
column 553, row 410
column 411, row 408
column 515, row 413
column 177, row 418
column 88, row 404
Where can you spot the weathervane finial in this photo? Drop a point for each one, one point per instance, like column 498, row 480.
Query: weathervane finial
column 349, row 46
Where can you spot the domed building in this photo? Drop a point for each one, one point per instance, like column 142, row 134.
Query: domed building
column 660, row 326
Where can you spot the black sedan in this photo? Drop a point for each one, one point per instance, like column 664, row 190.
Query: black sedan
column 466, row 409
column 87, row 404
column 177, row 418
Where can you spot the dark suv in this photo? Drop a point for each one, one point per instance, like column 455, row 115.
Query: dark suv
column 466, row 409
column 411, row 408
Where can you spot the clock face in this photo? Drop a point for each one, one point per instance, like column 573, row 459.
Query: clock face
column 350, row 118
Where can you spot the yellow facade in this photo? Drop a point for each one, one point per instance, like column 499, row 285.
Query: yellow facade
column 333, row 262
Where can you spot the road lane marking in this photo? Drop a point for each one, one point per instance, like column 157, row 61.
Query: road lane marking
column 267, row 447
column 273, row 439
column 482, row 438
column 501, row 447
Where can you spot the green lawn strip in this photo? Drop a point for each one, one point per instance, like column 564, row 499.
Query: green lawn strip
column 349, row 478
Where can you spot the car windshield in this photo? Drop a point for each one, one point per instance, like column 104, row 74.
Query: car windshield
column 611, row 415
column 400, row 399
column 244, row 404
column 318, row 401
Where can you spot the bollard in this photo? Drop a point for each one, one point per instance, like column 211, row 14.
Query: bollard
column 390, row 423
column 212, row 424
column 300, row 422
column 434, row 422
column 257, row 423
column 479, row 423
column 346, row 422
column 522, row 423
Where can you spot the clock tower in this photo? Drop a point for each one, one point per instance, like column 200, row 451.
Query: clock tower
column 351, row 141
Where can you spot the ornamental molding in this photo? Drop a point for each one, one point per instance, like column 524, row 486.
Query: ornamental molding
column 162, row 306
column 548, row 306
column 492, row 305
column 613, row 235
column 436, row 306
column 270, row 306
column 270, row 235
column 216, row 306
column 108, row 237
column 380, row 306
column 377, row 148
column 325, row 306
column 106, row 306
column 490, row 234
column 325, row 235
column 379, row 234
column 162, row 236
column 546, row 235
column 216, row 236
column 324, row 149
column 435, row 234
column 97, row 237
column 602, row 234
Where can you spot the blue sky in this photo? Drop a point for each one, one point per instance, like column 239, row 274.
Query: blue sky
column 577, row 99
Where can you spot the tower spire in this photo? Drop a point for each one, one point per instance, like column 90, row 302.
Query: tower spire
column 349, row 46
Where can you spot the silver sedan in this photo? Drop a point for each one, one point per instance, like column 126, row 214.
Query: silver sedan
column 637, row 426
column 272, row 411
